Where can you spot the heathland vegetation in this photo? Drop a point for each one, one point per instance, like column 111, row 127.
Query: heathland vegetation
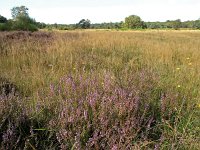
column 98, row 89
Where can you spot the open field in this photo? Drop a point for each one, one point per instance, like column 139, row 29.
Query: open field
column 100, row 90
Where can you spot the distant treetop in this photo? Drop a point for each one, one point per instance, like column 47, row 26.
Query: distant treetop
column 21, row 11
column 3, row 19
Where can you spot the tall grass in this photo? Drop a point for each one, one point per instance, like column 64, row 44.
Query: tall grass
column 100, row 90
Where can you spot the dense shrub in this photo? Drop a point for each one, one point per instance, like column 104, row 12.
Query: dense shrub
column 3, row 27
column 8, row 26
column 22, row 24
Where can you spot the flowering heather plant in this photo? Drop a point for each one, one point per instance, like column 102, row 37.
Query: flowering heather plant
column 91, row 112
column 102, row 113
column 17, row 123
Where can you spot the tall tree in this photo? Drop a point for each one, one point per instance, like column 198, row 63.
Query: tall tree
column 134, row 22
column 84, row 24
column 22, row 20
column 21, row 11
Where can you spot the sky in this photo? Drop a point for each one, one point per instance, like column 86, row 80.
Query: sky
column 98, row 11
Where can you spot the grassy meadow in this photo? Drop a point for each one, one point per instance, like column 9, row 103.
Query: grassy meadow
column 100, row 90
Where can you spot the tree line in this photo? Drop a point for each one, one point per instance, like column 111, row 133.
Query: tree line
column 130, row 22
column 22, row 21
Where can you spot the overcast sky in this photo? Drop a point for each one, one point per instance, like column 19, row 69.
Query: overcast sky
column 72, row 11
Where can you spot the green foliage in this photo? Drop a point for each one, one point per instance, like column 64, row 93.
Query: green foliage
column 155, row 25
column 83, row 24
column 110, row 25
column 3, row 19
column 196, row 24
column 8, row 26
column 2, row 27
column 40, row 25
column 21, row 21
column 134, row 22
column 131, row 22
column 3, row 23
column 21, row 11
column 22, row 27
column 25, row 23
column 175, row 24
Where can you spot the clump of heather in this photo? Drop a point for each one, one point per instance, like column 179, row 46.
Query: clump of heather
column 106, row 112
column 20, row 128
